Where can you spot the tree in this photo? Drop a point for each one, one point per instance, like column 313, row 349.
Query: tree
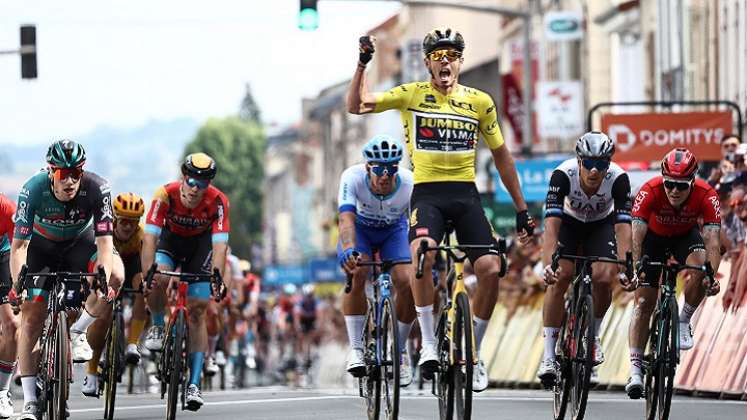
column 238, row 147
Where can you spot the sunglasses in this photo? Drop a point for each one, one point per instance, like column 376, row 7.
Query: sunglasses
column 197, row 182
column 64, row 173
column 679, row 185
column 379, row 169
column 439, row 55
column 601, row 165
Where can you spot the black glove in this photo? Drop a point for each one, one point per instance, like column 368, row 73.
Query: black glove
column 525, row 222
column 366, row 49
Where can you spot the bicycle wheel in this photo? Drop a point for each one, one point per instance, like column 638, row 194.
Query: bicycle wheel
column 372, row 379
column 176, row 335
column 390, row 359
column 665, row 360
column 62, row 366
column 651, row 362
column 46, row 369
column 463, row 356
column 443, row 380
column 582, row 360
column 562, row 387
column 112, row 364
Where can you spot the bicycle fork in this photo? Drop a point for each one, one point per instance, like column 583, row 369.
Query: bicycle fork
column 452, row 318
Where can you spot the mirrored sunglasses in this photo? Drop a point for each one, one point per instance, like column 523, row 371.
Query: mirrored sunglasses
column 439, row 55
column 197, row 182
column 679, row 185
column 600, row 164
column 63, row 173
column 379, row 169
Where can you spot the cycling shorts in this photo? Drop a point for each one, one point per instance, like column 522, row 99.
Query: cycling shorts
column 5, row 282
column 307, row 325
column 434, row 203
column 591, row 239
column 390, row 241
column 194, row 254
column 75, row 255
column 132, row 267
column 656, row 246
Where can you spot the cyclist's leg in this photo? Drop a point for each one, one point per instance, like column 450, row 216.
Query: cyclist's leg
column 168, row 256
column 395, row 248
column 601, row 242
column 570, row 234
column 426, row 223
column 8, row 340
column 691, row 250
column 354, row 304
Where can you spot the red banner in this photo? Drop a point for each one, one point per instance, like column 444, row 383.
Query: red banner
column 649, row 136
column 513, row 106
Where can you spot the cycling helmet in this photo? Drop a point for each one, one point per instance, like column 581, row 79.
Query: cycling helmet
column 129, row 206
column 289, row 289
column 595, row 144
column 679, row 163
column 308, row 289
column 199, row 165
column 66, row 154
column 382, row 148
column 440, row 38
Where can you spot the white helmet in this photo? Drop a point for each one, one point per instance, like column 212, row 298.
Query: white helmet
column 595, row 144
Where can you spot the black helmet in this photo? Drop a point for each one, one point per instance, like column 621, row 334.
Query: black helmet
column 440, row 38
column 66, row 154
column 199, row 165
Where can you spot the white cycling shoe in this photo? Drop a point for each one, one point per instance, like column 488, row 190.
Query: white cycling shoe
column 634, row 388
column 686, row 336
column 82, row 351
column 356, row 363
column 479, row 377
column 405, row 370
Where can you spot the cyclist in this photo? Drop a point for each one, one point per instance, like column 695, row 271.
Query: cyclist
column 128, row 239
column 587, row 212
column 8, row 321
column 667, row 213
column 63, row 222
column 305, row 315
column 373, row 202
column 443, row 121
column 187, row 226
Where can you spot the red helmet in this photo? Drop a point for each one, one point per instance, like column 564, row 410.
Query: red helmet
column 679, row 163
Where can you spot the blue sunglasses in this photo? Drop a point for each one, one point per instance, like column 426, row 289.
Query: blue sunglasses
column 600, row 164
column 379, row 169
column 196, row 182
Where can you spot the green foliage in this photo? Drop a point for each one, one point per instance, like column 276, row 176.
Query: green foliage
column 238, row 147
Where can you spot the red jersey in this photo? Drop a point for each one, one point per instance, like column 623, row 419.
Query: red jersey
column 167, row 209
column 652, row 206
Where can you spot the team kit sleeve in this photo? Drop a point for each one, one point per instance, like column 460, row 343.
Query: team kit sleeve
column 489, row 127
column 346, row 200
column 711, row 208
column 621, row 199
column 559, row 188
column 395, row 98
column 643, row 204
column 101, row 200
column 221, row 224
column 25, row 212
column 159, row 207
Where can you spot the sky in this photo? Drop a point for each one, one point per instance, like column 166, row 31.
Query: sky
column 122, row 63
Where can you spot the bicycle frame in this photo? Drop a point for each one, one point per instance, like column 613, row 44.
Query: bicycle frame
column 382, row 287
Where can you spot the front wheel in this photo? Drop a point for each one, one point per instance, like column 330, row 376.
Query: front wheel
column 562, row 387
column 62, row 365
column 464, row 362
column 372, row 380
column 582, row 359
column 112, row 364
column 390, row 359
column 660, row 375
column 443, row 380
column 177, row 336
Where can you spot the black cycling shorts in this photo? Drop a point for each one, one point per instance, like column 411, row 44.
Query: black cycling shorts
column 132, row 267
column 591, row 239
column 434, row 203
column 5, row 282
column 75, row 255
column 307, row 325
column 194, row 254
column 656, row 247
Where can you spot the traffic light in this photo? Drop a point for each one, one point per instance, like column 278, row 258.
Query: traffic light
column 28, row 52
column 308, row 16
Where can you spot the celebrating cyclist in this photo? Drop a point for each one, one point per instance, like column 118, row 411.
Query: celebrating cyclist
column 63, row 223
column 187, row 226
column 587, row 212
column 443, row 121
column 373, row 202
column 667, row 213
column 8, row 321
column 128, row 239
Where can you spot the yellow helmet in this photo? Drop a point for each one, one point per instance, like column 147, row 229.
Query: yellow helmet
column 129, row 206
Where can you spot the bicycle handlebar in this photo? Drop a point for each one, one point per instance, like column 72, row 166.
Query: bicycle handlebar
column 99, row 280
column 215, row 279
column 500, row 247
column 560, row 254
column 676, row 267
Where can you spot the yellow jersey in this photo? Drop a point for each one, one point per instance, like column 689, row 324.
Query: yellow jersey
column 441, row 132
column 132, row 246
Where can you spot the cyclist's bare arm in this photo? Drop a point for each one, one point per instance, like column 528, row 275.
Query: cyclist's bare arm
column 360, row 101
column 504, row 162
column 346, row 226
column 639, row 227
column 18, row 250
column 105, row 253
column 550, row 240
column 712, row 239
column 623, row 235
column 220, row 249
column 148, row 251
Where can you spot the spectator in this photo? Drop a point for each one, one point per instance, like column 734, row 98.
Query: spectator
column 731, row 167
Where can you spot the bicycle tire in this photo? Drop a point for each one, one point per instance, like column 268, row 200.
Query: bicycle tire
column 582, row 361
column 113, row 361
column 562, row 386
column 176, row 335
column 652, row 362
column 465, row 364
column 390, row 353
column 372, row 378
column 666, row 362
column 46, row 371
column 62, row 366
column 443, row 379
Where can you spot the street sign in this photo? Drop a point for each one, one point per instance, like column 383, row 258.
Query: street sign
column 560, row 108
column 563, row 26
column 534, row 177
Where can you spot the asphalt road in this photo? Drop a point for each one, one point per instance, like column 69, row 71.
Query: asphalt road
column 328, row 404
